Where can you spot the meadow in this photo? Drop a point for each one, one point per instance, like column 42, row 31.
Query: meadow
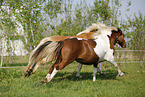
column 65, row 84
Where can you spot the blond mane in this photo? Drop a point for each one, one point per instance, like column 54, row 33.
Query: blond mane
column 100, row 28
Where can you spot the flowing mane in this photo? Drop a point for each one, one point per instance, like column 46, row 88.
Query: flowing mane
column 100, row 28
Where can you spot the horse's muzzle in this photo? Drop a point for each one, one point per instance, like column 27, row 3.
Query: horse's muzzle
column 124, row 46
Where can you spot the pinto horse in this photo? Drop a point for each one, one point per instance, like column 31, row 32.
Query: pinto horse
column 84, row 51
column 35, row 61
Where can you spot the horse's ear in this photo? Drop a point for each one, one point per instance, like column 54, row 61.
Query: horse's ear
column 114, row 31
column 118, row 30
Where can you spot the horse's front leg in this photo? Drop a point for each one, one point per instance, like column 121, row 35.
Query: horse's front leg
column 109, row 57
column 120, row 73
column 79, row 69
column 99, row 70
column 95, row 71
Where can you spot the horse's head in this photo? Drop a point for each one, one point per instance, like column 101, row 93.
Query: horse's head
column 119, row 38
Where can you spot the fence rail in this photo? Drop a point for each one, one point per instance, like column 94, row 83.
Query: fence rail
column 131, row 50
column 130, row 56
column 121, row 57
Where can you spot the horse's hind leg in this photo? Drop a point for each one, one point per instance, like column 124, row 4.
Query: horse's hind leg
column 54, row 69
column 51, row 74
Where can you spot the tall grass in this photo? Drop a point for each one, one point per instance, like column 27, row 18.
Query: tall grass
column 65, row 84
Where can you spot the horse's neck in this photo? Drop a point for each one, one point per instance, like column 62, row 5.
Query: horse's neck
column 106, row 40
column 112, row 42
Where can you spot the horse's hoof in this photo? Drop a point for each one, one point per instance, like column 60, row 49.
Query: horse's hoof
column 26, row 74
column 44, row 80
column 121, row 74
column 94, row 79
column 102, row 74
column 79, row 76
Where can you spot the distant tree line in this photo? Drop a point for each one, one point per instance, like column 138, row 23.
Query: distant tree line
column 44, row 18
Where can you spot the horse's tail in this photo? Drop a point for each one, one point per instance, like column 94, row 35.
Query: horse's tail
column 50, row 51
column 47, row 50
column 38, row 46
column 57, row 52
column 32, row 60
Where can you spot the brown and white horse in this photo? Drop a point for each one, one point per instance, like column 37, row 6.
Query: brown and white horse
column 90, row 33
column 84, row 51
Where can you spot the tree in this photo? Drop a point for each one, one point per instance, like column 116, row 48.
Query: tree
column 137, row 32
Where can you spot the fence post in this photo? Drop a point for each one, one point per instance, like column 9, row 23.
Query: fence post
column 141, row 58
column 2, row 54
column 2, row 59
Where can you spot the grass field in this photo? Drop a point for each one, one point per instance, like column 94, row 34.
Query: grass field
column 65, row 84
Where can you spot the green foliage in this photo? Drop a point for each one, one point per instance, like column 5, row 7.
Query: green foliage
column 101, row 10
column 53, row 7
column 41, row 18
column 136, row 31
column 26, row 15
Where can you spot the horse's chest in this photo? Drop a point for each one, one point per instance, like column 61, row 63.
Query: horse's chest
column 102, row 46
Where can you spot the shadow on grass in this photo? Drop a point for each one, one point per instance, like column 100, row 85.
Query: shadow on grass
column 16, row 64
column 109, row 74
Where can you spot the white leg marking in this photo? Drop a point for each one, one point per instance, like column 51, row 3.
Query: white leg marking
column 54, row 72
column 94, row 73
column 78, row 72
column 50, row 76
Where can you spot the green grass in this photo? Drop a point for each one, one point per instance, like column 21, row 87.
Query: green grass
column 65, row 84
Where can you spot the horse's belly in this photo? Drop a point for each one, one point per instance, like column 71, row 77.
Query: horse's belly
column 88, row 60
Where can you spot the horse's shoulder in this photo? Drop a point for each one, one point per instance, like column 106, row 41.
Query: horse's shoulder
column 89, row 42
